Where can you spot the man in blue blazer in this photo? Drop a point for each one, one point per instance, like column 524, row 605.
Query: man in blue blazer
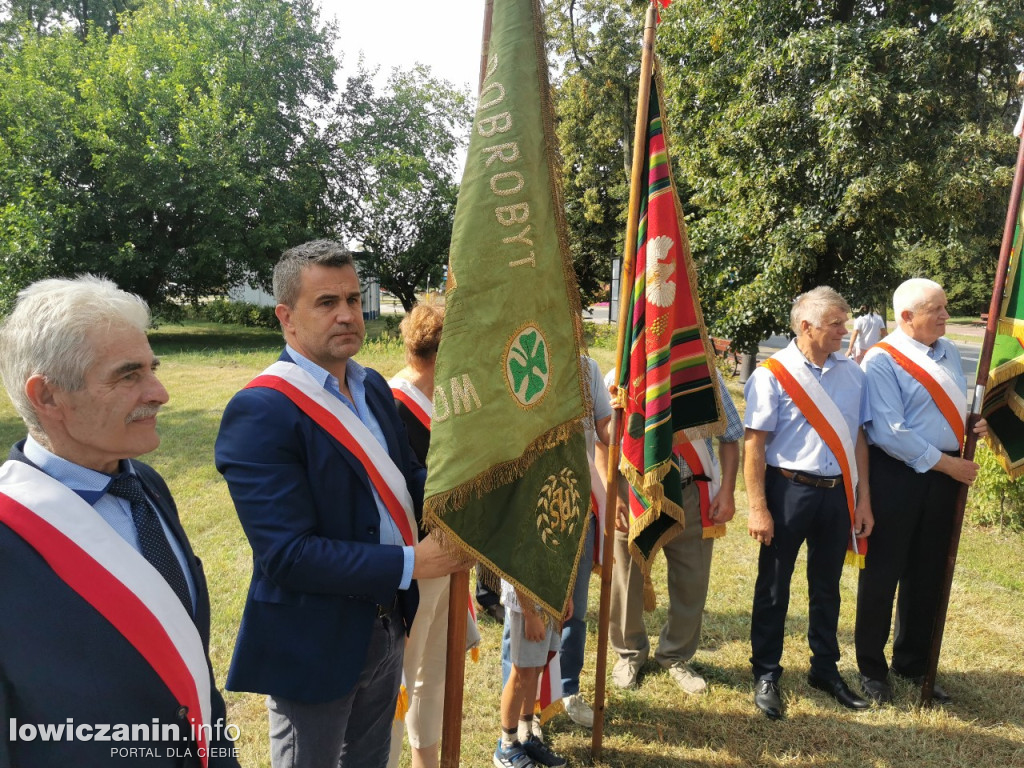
column 322, row 477
column 101, row 655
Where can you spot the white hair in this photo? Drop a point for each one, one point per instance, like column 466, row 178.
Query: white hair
column 912, row 295
column 48, row 334
column 813, row 305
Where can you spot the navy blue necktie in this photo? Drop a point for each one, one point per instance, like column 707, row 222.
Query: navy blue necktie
column 154, row 544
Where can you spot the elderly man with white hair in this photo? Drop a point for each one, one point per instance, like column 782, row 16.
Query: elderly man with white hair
column 805, row 465
column 106, row 616
column 918, row 397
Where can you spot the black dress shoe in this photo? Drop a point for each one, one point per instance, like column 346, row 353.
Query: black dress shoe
column 839, row 691
column 766, row 697
column 939, row 695
column 879, row 691
column 496, row 611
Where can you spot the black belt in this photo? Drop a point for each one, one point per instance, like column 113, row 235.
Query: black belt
column 815, row 481
column 687, row 480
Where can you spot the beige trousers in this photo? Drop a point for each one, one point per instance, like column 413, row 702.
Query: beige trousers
column 688, row 558
column 424, row 665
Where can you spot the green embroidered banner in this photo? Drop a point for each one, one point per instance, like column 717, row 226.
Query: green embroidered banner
column 1003, row 406
column 508, row 480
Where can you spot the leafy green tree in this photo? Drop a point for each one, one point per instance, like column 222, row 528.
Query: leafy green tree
column 178, row 157
column 833, row 143
column 597, row 44
column 395, row 161
column 850, row 143
column 79, row 15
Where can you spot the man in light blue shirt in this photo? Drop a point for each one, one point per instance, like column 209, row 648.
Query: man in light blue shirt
column 796, row 492
column 916, row 472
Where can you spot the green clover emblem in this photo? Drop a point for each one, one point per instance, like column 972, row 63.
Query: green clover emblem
column 526, row 365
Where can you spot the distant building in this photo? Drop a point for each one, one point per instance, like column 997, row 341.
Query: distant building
column 367, row 279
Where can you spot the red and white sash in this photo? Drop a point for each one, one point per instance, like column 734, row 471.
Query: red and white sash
column 790, row 369
column 410, row 396
column 950, row 399
column 115, row 579
column 701, row 461
column 344, row 426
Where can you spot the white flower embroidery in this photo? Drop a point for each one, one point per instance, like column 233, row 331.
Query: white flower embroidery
column 661, row 290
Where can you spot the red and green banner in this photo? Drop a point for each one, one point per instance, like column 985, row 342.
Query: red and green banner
column 508, row 481
column 667, row 372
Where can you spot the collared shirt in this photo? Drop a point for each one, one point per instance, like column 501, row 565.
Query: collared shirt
column 733, row 424
column 733, row 427
column 905, row 421
column 92, row 487
column 599, row 397
column 793, row 443
column 355, row 378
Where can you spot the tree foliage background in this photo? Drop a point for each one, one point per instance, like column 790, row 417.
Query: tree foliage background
column 395, row 172
column 845, row 143
column 178, row 146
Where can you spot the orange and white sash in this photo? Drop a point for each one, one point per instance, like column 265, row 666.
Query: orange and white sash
column 410, row 396
column 109, row 574
column 344, row 426
column 950, row 399
column 701, row 461
column 790, row 369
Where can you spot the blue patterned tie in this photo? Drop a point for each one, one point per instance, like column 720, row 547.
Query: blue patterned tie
column 152, row 540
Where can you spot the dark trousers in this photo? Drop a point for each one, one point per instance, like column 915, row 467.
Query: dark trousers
column 485, row 596
column 907, row 549
column 820, row 517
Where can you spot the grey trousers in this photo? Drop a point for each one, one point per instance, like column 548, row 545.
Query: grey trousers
column 353, row 731
column 688, row 557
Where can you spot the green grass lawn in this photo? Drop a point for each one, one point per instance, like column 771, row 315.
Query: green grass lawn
column 655, row 725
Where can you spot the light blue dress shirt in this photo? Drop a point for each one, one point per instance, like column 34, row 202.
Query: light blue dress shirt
column 793, row 443
column 92, row 487
column 905, row 421
column 733, row 428
column 355, row 378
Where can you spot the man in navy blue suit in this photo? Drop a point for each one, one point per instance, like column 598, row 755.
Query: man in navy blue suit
column 325, row 485
column 106, row 617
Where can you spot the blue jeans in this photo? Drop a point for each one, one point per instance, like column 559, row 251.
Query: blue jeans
column 574, row 632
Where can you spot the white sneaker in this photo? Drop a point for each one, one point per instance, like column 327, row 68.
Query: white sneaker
column 578, row 710
column 625, row 672
column 691, row 682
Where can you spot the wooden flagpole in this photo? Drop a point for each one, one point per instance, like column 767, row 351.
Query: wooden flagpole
column 458, row 613
column 625, row 296
column 970, row 439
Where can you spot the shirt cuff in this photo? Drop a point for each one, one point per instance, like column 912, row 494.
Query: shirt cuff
column 926, row 460
column 409, row 557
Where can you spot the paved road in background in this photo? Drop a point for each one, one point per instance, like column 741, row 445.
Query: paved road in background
column 966, row 337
